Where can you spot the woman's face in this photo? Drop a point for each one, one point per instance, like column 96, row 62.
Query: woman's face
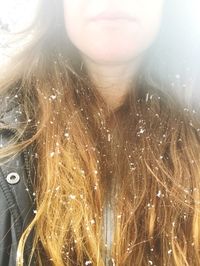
column 112, row 41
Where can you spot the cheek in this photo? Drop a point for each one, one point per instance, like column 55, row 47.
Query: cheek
column 150, row 26
column 72, row 17
column 74, row 28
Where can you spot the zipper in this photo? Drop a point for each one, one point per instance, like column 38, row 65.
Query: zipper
column 108, row 233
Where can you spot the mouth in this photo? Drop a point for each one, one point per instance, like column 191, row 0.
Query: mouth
column 106, row 16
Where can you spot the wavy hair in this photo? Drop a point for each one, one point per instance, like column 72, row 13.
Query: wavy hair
column 142, row 157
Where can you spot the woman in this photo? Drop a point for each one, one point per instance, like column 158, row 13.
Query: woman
column 103, row 114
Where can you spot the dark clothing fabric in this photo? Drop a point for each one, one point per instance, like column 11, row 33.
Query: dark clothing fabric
column 17, row 202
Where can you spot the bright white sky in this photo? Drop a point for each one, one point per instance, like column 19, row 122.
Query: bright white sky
column 16, row 12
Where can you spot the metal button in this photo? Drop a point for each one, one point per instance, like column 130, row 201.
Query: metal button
column 13, row 178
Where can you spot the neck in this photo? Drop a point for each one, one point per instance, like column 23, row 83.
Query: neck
column 112, row 80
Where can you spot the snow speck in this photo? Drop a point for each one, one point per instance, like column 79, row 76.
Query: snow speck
column 92, row 221
column 169, row 251
column 72, row 196
column 53, row 97
column 88, row 262
column 158, row 194
column 66, row 134
column 52, row 154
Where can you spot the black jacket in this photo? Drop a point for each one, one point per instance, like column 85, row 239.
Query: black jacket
column 17, row 202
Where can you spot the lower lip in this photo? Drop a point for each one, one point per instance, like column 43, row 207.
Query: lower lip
column 113, row 22
column 113, row 19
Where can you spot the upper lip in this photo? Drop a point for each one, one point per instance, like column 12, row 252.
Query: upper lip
column 113, row 15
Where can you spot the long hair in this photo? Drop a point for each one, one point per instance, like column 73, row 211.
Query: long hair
column 146, row 163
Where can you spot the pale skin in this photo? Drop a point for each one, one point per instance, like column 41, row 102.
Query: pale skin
column 112, row 80
column 112, row 51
